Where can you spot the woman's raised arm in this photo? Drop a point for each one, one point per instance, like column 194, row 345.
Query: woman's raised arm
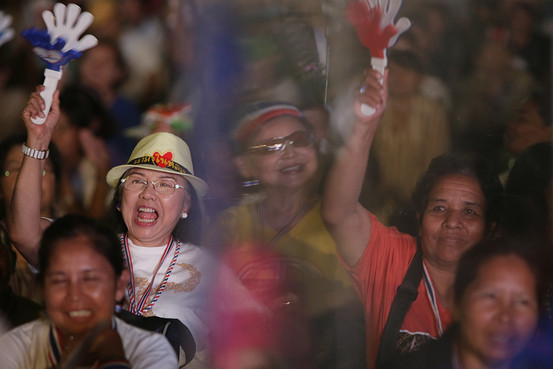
column 24, row 221
column 348, row 222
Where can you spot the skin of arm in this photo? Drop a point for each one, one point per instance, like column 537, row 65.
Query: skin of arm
column 24, row 221
column 348, row 222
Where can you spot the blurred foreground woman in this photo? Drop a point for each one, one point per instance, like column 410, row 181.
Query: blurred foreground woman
column 82, row 276
column 497, row 299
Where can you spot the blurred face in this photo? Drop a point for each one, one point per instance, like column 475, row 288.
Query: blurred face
column 291, row 168
column 80, row 287
column 7, row 183
column 525, row 129
column 150, row 217
column 99, row 69
column 498, row 313
column 454, row 220
column 402, row 81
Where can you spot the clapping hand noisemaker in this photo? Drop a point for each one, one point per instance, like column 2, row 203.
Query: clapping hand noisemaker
column 374, row 24
column 59, row 44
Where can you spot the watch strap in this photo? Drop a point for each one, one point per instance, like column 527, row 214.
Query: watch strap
column 34, row 153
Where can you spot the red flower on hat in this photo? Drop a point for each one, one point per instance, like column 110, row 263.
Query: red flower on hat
column 163, row 160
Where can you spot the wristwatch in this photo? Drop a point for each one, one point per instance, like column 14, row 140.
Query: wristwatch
column 33, row 153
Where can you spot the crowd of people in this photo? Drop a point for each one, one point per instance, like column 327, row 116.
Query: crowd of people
column 208, row 191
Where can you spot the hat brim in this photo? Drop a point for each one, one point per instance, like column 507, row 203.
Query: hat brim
column 115, row 173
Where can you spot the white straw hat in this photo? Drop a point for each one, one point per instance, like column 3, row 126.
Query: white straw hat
column 162, row 152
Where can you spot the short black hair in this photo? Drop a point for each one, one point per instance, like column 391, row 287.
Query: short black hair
column 102, row 237
column 473, row 260
column 469, row 164
column 85, row 109
column 407, row 59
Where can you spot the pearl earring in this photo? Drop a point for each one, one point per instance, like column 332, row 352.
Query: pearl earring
column 184, row 215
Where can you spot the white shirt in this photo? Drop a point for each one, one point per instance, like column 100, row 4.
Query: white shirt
column 28, row 346
column 195, row 278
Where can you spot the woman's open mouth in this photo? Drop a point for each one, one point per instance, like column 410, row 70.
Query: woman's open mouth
column 146, row 215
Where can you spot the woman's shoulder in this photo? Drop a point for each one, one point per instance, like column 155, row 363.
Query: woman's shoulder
column 28, row 329
column 388, row 249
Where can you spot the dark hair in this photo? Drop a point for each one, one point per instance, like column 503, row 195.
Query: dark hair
column 8, row 254
column 17, row 140
column 186, row 230
column 473, row 260
column 527, row 184
column 102, row 237
column 472, row 165
column 84, row 109
column 407, row 59
column 540, row 98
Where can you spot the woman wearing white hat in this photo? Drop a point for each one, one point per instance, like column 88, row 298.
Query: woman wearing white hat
column 155, row 195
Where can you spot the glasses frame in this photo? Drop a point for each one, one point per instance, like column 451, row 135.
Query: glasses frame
column 277, row 144
column 154, row 184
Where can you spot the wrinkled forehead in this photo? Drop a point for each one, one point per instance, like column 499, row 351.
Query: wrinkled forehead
column 458, row 186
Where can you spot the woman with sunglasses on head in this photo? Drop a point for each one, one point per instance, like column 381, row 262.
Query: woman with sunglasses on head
column 277, row 151
column 156, row 207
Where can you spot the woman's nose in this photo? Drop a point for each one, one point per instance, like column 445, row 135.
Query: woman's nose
column 453, row 219
column 148, row 191
column 505, row 312
column 288, row 148
column 74, row 291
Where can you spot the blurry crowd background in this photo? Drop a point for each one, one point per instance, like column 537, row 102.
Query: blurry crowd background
column 470, row 75
column 461, row 74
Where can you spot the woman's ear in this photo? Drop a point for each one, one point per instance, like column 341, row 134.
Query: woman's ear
column 121, row 285
column 187, row 206
column 244, row 166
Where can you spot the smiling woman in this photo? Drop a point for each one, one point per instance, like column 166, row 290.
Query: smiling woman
column 156, row 208
column 404, row 281
column 498, row 296
column 82, row 275
column 276, row 148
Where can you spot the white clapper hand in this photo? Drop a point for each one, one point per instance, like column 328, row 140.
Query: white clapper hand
column 380, row 35
column 6, row 33
column 66, row 23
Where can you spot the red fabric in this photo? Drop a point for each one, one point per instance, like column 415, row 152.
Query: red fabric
column 376, row 277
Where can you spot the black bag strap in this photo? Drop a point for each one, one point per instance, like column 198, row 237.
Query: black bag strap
column 178, row 334
column 405, row 295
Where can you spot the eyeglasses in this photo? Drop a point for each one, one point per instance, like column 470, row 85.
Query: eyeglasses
column 163, row 186
column 296, row 139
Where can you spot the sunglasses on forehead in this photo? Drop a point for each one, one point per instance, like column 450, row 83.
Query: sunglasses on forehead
column 296, row 139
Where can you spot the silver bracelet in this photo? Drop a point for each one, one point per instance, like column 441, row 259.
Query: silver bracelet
column 34, row 153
